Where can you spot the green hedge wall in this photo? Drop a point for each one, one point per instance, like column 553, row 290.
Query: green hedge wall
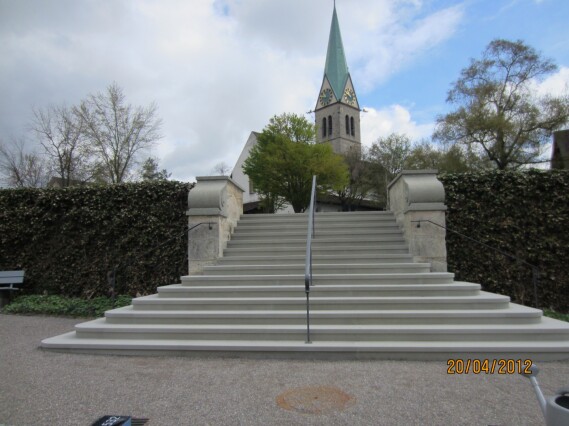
column 68, row 239
column 525, row 214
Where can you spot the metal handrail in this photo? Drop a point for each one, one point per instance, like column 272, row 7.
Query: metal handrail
column 534, row 268
column 308, row 259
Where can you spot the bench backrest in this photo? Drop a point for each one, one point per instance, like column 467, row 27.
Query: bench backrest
column 11, row 277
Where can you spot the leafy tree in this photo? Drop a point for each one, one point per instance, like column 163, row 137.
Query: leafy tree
column 360, row 183
column 387, row 158
column 451, row 159
column 21, row 168
column 285, row 158
column 118, row 131
column 499, row 112
column 62, row 135
column 151, row 171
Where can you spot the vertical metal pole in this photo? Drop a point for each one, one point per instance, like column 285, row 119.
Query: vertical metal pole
column 308, row 317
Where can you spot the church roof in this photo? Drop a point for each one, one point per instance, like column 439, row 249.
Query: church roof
column 336, row 66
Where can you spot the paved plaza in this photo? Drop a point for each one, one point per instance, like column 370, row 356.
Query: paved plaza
column 39, row 387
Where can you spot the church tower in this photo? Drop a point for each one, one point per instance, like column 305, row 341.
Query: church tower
column 337, row 109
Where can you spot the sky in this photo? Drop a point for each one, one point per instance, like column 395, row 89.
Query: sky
column 219, row 69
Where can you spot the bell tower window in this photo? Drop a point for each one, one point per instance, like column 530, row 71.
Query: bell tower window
column 347, row 125
column 353, row 131
column 329, row 125
column 324, row 127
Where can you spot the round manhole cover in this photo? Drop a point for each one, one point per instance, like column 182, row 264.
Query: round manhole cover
column 315, row 400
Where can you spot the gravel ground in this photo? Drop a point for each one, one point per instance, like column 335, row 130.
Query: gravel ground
column 42, row 388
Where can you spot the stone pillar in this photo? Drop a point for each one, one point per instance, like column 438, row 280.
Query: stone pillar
column 418, row 195
column 215, row 200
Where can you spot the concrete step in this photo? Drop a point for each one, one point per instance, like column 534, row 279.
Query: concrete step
column 366, row 258
column 318, row 268
column 481, row 301
column 514, row 314
column 543, row 331
column 369, row 290
column 355, row 241
column 317, row 250
column 302, row 222
column 319, row 279
column 241, row 234
column 319, row 227
column 345, row 216
column 401, row 350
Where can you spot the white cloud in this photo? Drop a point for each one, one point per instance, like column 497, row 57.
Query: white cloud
column 555, row 84
column 216, row 68
column 396, row 42
column 376, row 123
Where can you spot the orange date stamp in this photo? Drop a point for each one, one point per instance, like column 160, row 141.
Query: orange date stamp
column 489, row 366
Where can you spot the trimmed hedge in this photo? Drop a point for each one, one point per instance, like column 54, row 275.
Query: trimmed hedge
column 68, row 239
column 525, row 214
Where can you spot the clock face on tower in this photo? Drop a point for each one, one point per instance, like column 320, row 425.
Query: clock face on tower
column 326, row 96
column 350, row 97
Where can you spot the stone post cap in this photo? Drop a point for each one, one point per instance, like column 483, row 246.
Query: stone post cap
column 421, row 188
column 209, row 195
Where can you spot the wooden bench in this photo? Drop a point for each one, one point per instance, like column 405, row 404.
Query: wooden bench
column 9, row 281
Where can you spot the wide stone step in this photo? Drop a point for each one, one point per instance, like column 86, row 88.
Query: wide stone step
column 319, row 279
column 369, row 290
column 345, row 216
column 318, row 221
column 353, row 241
column 319, row 227
column 401, row 350
column 366, row 258
column 246, row 235
column 320, row 224
column 318, row 268
column 544, row 331
column 317, row 250
column 481, row 301
column 515, row 314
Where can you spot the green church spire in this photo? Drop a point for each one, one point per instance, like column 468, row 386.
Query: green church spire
column 336, row 66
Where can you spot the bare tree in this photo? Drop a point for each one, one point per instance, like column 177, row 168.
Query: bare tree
column 61, row 133
column 118, row 131
column 22, row 169
column 221, row 169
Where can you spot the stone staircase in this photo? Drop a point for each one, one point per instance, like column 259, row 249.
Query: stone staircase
column 369, row 300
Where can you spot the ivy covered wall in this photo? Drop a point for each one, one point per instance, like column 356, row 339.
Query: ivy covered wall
column 68, row 239
column 525, row 214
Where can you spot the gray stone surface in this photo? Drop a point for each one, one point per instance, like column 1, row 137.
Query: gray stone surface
column 216, row 200
column 40, row 387
column 418, row 195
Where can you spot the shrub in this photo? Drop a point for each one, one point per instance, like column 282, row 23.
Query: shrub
column 68, row 239
column 521, row 213
column 64, row 306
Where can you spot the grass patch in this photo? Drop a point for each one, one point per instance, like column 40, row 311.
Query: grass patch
column 556, row 315
column 64, row 306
